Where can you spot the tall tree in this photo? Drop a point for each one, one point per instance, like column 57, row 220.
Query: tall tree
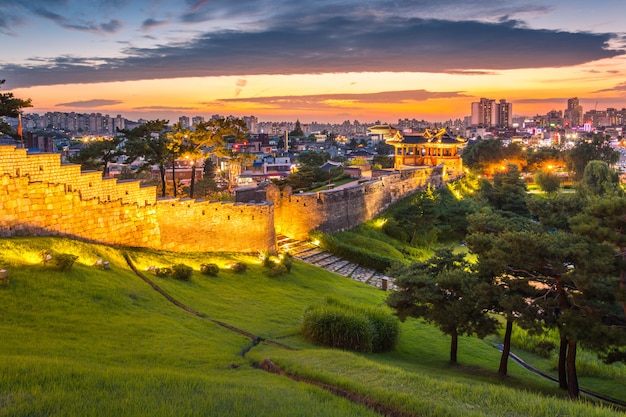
column 149, row 143
column 508, row 191
column 99, row 154
column 596, row 148
column 488, row 239
column 212, row 137
column 604, row 216
column 11, row 106
column 444, row 291
column 297, row 131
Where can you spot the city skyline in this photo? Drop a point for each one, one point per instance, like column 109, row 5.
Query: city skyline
column 325, row 61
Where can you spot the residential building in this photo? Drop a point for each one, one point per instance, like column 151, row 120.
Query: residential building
column 573, row 115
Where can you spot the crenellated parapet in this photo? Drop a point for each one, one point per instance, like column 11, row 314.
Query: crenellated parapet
column 41, row 196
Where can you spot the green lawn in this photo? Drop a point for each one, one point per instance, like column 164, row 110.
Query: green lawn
column 91, row 342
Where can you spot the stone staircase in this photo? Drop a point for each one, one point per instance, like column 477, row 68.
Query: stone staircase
column 307, row 252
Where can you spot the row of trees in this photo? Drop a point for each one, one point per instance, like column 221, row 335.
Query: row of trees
column 487, row 156
column 543, row 262
column 155, row 143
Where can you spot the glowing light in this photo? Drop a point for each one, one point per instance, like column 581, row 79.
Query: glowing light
column 380, row 222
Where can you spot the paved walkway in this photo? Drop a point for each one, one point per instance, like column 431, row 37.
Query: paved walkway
column 312, row 254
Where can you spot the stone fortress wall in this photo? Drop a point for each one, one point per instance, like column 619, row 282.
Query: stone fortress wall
column 204, row 226
column 341, row 209
column 40, row 196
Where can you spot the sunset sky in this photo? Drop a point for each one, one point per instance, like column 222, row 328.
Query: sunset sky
column 324, row 61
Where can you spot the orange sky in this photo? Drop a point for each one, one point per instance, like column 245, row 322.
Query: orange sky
column 351, row 61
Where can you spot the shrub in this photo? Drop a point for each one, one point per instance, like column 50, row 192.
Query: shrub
column 239, row 267
column 209, row 269
column 278, row 269
column 336, row 324
column 287, row 261
column 182, row 272
column 163, row 272
column 61, row 261
column 393, row 229
column 266, row 259
column 386, row 330
column 336, row 327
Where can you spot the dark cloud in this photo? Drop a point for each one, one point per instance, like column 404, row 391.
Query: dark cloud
column 152, row 23
column 337, row 101
column 53, row 10
column 164, row 108
column 379, row 97
column 618, row 88
column 96, row 102
column 335, row 44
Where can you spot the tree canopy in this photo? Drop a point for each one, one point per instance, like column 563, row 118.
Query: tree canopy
column 445, row 291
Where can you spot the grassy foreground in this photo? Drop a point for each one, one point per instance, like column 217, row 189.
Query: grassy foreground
column 92, row 342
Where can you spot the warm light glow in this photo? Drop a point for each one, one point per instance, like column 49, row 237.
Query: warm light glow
column 380, row 222
column 297, row 96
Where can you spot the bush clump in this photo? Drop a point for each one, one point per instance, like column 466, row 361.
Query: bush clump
column 209, row 269
column 182, row 272
column 239, row 267
column 339, row 325
column 61, row 261
column 163, row 272
column 278, row 269
column 287, row 261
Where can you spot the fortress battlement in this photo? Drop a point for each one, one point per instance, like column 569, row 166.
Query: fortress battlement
column 41, row 196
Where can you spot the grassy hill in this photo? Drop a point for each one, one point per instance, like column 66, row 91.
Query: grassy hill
column 93, row 342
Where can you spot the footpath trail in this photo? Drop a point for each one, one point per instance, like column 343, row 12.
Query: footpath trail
column 308, row 252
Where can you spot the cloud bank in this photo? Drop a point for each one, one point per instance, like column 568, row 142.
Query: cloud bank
column 329, row 45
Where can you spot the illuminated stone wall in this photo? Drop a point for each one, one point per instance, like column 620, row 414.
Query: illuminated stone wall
column 39, row 196
column 197, row 225
column 341, row 209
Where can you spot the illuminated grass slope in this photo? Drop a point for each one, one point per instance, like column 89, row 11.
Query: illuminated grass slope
column 93, row 342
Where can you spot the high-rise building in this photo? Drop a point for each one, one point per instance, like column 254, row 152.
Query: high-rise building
column 184, row 122
column 119, row 123
column 574, row 113
column 488, row 113
column 251, row 123
column 504, row 114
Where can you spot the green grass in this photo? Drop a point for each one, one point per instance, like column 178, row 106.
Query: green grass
column 94, row 342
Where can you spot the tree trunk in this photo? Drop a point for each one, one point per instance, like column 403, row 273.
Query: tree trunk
column 572, row 378
column 506, row 348
column 454, row 344
column 563, row 348
column 163, row 184
column 622, row 286
column 174, row 177
column 562, row 362
column 193, row 178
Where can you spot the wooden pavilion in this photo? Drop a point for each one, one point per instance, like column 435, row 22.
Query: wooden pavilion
column 430, row 148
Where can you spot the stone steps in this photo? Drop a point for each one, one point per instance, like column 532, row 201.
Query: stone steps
column 309, row 253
